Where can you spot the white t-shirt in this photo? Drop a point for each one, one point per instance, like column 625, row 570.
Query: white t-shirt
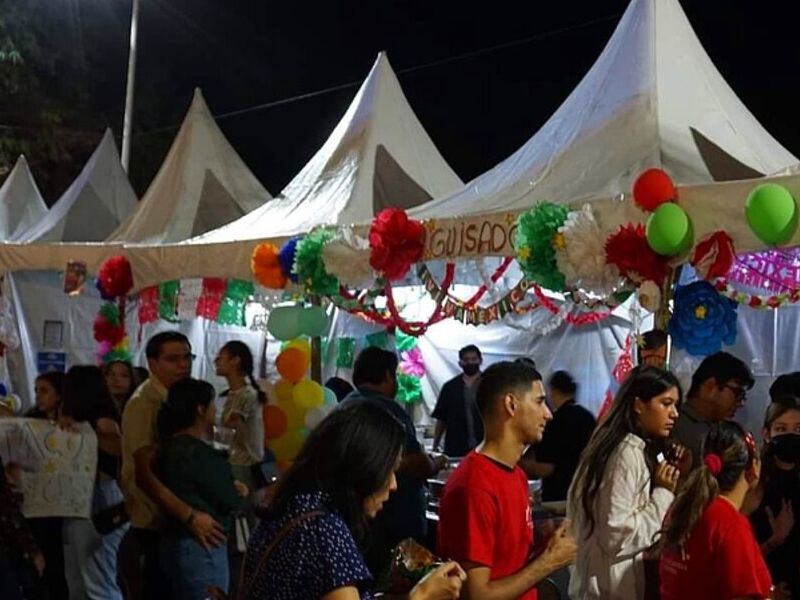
column 247, row 447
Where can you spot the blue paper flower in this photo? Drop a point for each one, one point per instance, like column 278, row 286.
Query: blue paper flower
column 702, row 319
column 286, row 258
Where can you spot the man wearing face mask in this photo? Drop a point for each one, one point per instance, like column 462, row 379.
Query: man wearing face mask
column 456, row 412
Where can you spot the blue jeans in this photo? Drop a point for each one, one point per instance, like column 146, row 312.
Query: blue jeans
column 90, row 559
column 192, row 568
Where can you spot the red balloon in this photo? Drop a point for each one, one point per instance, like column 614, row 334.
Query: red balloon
column 653, row 188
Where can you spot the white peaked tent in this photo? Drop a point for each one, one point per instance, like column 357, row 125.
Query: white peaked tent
column 202, row 184
column 652, row 98
column 378, row 155
column 21, row 203
column 96, row 202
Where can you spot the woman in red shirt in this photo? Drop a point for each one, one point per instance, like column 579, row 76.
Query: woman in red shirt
column 709, row 551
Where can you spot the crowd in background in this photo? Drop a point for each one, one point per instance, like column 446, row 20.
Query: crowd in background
column 665, row 495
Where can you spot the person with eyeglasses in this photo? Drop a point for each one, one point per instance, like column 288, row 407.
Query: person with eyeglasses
column 718, row 390
column 148, row 500
column 708, row 549
column 776, row 500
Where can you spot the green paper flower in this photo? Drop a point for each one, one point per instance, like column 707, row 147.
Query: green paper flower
column 110, row 311
column 309, row 265
column 536, row 231
column 409, row 388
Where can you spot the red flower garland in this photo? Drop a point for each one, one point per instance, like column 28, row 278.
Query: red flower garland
column 629, row 251
column 396, row 242
column 114, row 277
column 580, row 319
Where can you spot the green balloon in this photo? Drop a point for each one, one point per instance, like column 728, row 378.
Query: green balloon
column 669, row 230
column 284, row 322
column 771, row 213
column 314, row 321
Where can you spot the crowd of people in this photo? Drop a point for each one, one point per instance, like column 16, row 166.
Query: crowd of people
column 665, row 495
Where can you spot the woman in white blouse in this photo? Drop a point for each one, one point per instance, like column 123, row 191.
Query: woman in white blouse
column 618, row 498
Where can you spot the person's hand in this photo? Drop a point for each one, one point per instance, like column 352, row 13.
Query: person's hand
column 561, row 549
column 666, row 476
column 38, row 563
column 440, row 461
column 208, row 532
column 782, row 524
column 241, row 489
column 443, row 583
column 68, row 424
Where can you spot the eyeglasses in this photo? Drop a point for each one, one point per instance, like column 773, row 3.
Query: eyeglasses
column 739, row 393
column 176, row 358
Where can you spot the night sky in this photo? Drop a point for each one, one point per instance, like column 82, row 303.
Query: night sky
column 478, row 109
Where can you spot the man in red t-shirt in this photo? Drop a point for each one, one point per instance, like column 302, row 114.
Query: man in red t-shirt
column 485, row 518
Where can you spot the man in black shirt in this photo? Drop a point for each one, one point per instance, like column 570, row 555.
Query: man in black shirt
column 555, row 458
column 456, row 411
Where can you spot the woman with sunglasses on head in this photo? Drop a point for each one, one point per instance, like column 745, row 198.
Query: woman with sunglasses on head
column 619, row 496
column 708, row 547
column 776, row 500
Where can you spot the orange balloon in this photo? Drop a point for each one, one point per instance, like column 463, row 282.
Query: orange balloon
column 275, row 421
column 292, row 364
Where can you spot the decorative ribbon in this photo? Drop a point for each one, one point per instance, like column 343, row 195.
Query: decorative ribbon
column 756, row 300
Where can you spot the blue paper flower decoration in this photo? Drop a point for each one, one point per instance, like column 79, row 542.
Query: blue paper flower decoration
column 702, row 319
column 286, row 258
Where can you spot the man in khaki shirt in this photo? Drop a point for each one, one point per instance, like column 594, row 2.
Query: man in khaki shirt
column 169, row 359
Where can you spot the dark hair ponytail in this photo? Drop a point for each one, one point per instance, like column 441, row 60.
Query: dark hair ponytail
column 727, row 452
column 179, row 411
column 240, row 350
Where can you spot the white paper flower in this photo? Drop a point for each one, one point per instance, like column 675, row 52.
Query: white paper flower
column 649, row 296
column 582, row 259
column 347, row 258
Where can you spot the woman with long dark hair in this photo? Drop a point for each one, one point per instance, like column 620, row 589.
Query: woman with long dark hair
column 47, row 391
column 201, row 477
column 243, row 410
column 121, row 381
column 308, row 546
column 91, row 545
column 777, row 496
column 708, row 547
column 618, row 497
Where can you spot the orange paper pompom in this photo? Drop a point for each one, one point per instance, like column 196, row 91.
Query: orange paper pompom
column 292, row 364
column 266, row 268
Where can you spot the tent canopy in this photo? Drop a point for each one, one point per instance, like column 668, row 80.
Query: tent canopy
column 202, row 184
column 21, row 203
column 652, row 98
column 96, row 202
column 378, row 155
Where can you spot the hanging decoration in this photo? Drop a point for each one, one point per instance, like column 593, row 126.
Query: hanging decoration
column 713, row 256
column 653, row 188
column 266, row 267
column 702, row 319
column 114, row 280
column 629, row 251
column 286, row 258
column 148, row 305
column 396, row 243
column 757, row 300
column 309, row 266
column 770, row 269
column 231, row 311
column 345, row 352
column 188, row 298
column 346, row 257
column 565, row 312
column 582, row 257
column 168, row 300
column 669, row 230
column 649, row 296
column 379, row 339
column 210, row 300
column 771, row 212
column 536, row 242
column 410, row 371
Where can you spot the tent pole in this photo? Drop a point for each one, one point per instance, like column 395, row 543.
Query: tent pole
column 316, row 350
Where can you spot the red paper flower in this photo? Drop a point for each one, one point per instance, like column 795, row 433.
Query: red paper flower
column 629, row 251
column 396, row 242
column 713, row 256
column 755, row 302
column 114, row 278
column 106, row 331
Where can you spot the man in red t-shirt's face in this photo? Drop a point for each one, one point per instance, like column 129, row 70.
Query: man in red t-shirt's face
column 527, row 414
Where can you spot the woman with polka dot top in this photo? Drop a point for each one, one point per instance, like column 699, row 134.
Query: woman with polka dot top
column 308, row 544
